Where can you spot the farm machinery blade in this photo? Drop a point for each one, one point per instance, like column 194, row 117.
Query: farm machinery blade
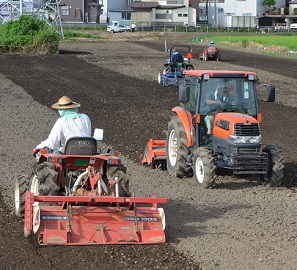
column 94, row 219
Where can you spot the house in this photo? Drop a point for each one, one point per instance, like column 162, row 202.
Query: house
column 217, row 13
column 246, row 13
column 164, row 12
column 119, row 11
column 80, row 11
column 233, row 13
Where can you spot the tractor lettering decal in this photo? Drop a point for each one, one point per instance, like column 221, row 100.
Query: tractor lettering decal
column 53, row 218
column 143, row 219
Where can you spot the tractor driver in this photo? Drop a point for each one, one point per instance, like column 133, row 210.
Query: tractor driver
column 176, row 58
column 211, row 44
column 70, row 124
column 214, row 101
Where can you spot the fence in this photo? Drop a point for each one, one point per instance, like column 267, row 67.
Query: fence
column 179, row 28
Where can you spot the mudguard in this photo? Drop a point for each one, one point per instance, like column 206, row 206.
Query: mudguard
column 186, row 118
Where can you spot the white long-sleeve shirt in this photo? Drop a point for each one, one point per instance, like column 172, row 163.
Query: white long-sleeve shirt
column 64, row 129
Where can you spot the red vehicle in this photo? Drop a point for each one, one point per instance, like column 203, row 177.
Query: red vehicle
column 210, row 53
column 82, row 197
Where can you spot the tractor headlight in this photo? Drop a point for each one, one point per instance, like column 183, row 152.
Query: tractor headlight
column 245, row 139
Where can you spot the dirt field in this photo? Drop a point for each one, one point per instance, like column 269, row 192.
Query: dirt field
column 240, row 224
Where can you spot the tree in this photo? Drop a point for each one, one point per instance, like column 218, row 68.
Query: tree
column 269, row 3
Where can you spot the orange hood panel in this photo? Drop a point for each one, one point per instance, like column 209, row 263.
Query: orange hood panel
column 228, row 120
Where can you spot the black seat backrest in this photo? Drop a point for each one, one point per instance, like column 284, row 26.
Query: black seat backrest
column 81, row 146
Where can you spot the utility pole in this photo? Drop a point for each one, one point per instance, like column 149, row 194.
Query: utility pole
column 215, row 13
column 206, row 12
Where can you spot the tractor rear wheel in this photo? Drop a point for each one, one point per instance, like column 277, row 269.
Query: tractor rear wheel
column 177, row 150
column 44, row 180
column 160, row 77
column 21, row 186
column 204, row 168
column 205, row 57
column 275, row 172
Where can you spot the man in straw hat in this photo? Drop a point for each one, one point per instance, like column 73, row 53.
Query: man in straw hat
column 70, row 124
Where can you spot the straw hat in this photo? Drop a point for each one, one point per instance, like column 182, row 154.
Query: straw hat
column 65, row 103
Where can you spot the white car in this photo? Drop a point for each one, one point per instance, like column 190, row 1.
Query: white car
column 293, row 26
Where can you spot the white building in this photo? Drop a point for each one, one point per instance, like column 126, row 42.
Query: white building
column 234, row 13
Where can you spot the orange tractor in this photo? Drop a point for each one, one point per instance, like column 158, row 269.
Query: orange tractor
column 205, row 136
column 82, row 197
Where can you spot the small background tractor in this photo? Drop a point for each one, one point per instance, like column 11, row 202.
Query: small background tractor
column 210, row 53
column 203, row 140
column 82, row 197
column 171, row 74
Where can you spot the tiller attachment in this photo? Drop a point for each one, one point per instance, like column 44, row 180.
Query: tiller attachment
column 94, row 219
column 155, row 154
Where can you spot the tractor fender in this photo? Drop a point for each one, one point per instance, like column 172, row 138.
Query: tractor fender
column 186, row 118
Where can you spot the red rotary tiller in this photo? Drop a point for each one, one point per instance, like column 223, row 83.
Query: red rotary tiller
column 84, row 199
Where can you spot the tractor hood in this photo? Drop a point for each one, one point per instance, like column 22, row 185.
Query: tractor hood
column 235, row 124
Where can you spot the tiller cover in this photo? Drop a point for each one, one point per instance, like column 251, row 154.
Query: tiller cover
column 155, row 153
column 88, row 220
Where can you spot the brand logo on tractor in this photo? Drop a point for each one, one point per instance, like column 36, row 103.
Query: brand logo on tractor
column 82, row 143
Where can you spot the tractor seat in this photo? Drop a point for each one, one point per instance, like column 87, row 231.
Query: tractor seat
column 176, row 66
column 81, row 146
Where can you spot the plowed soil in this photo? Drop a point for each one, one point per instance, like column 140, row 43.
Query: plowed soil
column 239, row 224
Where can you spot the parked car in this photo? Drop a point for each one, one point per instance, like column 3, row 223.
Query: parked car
column 115, row 27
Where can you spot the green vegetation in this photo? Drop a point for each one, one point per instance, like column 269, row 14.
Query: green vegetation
column 282, row 41
column 269, row 3
column 75, row 34
column 28, row 34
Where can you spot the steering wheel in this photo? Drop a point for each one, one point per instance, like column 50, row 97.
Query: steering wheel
column 225, row 105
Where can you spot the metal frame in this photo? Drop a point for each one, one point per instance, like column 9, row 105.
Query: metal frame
column 12, row 10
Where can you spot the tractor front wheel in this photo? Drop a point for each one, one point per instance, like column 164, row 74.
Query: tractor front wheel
column 21, row 186
column 275, row 171
column 190, row 67
column 177, row 151
column 204, row 168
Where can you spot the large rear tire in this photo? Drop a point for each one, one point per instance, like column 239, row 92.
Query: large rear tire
column 177, row 150
column 21, row 186
column 275, row 172
column 204, row 168
column 160, row 77
column 205, row 57
column 44, row 180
